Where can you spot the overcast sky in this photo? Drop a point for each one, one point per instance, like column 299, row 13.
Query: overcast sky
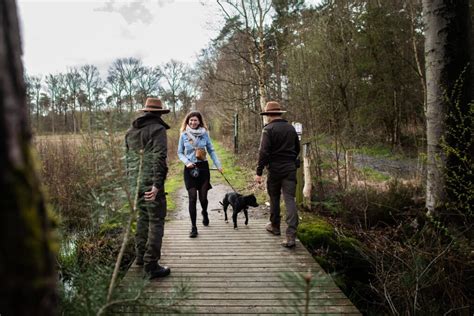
column 57, row 34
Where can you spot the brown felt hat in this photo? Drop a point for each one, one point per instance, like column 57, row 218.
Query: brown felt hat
column 271, row 108
column 154, row 105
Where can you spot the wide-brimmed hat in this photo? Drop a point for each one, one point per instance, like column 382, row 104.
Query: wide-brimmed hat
column 154, row 105
column 272, row 108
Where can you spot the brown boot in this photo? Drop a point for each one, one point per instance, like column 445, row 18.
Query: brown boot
column 273, row 229
column 290, row 241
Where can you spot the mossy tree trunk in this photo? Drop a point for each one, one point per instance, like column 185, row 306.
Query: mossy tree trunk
column 27, row 266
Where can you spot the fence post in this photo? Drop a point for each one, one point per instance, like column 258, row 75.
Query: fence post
column 299, row 172
column 307, row 175
column 236, row 133
column 349, row 167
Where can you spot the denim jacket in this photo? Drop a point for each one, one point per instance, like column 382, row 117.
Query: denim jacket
column 186, row 151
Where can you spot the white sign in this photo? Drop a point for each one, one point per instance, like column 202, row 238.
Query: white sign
column 299, row 128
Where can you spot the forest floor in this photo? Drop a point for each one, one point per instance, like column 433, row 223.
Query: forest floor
column 404, row 168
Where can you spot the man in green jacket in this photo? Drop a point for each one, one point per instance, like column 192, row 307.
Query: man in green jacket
column 146, row 147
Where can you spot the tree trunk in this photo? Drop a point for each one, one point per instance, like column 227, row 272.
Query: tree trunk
column 27, row 268
column 447, row 51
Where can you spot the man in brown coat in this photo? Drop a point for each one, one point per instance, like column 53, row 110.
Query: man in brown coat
column 279, row 149
column 146, row 145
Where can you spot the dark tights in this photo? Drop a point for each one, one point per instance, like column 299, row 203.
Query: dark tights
column 193, row 195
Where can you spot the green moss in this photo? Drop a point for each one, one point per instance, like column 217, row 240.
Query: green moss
column 316, row 233
column 33, row 210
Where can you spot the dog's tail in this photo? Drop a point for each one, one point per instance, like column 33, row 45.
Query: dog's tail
column 221, row 203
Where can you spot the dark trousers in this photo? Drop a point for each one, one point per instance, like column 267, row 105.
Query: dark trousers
column 286, row 184
column 150, row 227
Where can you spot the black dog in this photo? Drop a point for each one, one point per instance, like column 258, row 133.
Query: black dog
column 239, row 203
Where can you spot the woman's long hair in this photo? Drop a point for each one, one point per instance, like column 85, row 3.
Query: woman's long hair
column 193, row 114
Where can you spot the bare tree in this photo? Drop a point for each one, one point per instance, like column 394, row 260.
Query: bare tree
column 73, row 85
column 173, row 74
column 254, row 15
column 148, row 80
column 34, row 93
column 27, row 268
column 126, row 70
column 90, row 80
column 52, row 84
column 116, row 88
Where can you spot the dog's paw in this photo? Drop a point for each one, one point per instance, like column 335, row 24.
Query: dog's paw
column 236, row 228
column 227, row 222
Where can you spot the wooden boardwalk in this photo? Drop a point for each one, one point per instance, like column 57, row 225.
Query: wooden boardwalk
column 237, row 272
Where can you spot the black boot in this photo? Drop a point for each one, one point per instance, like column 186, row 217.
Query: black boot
column 205, row 218
column 154, row 270
column 194, row 232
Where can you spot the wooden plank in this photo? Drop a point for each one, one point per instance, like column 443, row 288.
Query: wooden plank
column 235, row 272
column 249, row 308
column 247, row 296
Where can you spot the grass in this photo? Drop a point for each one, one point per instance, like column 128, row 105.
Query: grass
column 240, row 178
column 375, row 151
column 173, row 183
column 373, row 175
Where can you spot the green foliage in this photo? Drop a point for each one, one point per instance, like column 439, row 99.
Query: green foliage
column 416, row 269
column 458, row 146
column 373, row 207
column 302, row 291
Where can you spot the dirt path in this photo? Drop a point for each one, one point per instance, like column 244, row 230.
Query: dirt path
column 216, row 213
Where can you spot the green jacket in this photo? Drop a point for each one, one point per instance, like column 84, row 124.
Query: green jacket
column 148, row 133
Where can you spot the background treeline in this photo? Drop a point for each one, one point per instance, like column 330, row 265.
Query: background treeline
column 351, row 69
column 76, row 101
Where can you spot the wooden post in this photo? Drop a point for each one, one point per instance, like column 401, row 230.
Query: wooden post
column 299, row 171
column 307, row 175
column 236, row 133
column 348, row 167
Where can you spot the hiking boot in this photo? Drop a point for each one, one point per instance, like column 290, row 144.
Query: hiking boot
column 290, row 242
column 205, row 218
column 154, row 270
column 273, row 229
column 194, row 232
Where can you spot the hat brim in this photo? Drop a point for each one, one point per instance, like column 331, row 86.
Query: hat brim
column 164, row 111
column 272, row 112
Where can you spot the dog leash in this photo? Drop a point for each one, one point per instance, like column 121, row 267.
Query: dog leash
column 222, row 174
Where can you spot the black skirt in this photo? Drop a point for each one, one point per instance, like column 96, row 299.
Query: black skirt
column 204, row 178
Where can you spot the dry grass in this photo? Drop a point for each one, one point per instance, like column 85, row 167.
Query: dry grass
column 82, row 171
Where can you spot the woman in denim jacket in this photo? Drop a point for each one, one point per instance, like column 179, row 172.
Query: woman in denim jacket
column 196, row 171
